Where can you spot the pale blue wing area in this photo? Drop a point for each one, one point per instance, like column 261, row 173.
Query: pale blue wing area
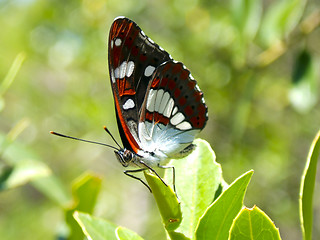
column 164, row 142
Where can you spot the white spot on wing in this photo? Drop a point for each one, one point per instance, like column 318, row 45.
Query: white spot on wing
column 167, row 111
column 158, row 100
column 120, row 72
column 111, row 44
column 123, row 69
column 130, row 68
column 128, row 104
column 118, row 42
column 113, row 79
column 116, row 73
column 174, row 110
column 184, row 125
column 151, row 99
column 176, row 119
column 149, row 70
column 164, row 102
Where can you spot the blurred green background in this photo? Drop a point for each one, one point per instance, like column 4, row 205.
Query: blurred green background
column 256, row 61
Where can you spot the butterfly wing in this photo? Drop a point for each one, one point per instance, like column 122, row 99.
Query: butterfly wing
column 133, row 57
column 173, row 111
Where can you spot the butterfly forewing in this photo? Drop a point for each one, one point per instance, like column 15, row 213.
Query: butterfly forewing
column 133, row 58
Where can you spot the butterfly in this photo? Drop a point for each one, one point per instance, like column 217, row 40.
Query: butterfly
column 159, row 106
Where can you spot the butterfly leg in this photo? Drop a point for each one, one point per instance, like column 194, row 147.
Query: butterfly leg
column 173, row 176
column 127, row 172
column 152, row 170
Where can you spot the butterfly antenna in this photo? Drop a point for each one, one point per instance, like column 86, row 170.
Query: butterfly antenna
column 82, row 140
column 107, row 130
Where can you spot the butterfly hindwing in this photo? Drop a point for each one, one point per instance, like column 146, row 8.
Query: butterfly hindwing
column 133, row 58
column 173, row 98
column 173, row 112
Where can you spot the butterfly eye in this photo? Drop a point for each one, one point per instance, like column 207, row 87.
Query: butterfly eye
column 122, row 157
column 127, row 156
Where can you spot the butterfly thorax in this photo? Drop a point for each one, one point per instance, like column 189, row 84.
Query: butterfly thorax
column 153, row 159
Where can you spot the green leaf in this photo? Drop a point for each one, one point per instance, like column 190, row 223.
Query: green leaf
column 307, row 187
column 167, row 202
column 53, row 189
column 15, row 67
column 13, row 152
column 18, row 128
column 85, row 190
column 281, row 18
column 303, row 93
column 301, row 66
column 126, row 234
column 24, row 171
column 198, row 178
column 177, row 236
column 95, row 228
column 217, row 220
column 100, row 229
column 246, row 16
column 253, row 224
column 5, row 172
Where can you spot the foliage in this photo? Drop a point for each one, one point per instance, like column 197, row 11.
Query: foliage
column 307, row 188
column 222, row 218
column 257, row 64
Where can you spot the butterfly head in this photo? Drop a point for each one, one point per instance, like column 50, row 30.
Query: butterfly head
column 124, row 156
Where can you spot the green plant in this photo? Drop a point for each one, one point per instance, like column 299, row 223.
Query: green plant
column 207, row 207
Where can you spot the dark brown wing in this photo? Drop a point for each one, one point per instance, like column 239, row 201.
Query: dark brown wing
column 133, row 58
